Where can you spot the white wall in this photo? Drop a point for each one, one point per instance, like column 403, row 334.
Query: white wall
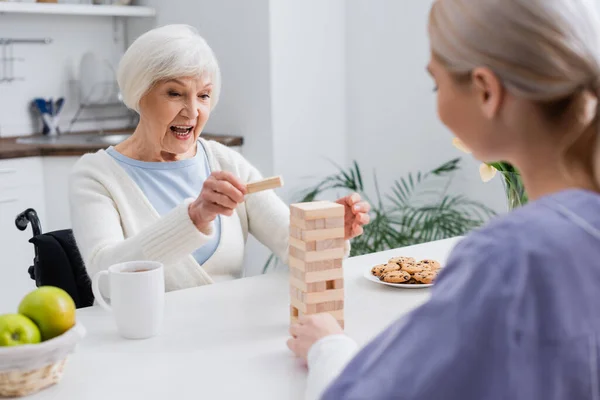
column 391, row 110
column 308, row 78
column 49, row 70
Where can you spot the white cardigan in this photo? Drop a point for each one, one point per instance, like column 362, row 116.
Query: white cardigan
column 113, row 221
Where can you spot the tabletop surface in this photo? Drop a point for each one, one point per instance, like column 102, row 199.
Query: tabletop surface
column 227, row 341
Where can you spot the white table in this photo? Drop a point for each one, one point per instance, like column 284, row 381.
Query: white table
column 226, row 341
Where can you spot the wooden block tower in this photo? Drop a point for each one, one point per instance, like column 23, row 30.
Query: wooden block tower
column 315, row 259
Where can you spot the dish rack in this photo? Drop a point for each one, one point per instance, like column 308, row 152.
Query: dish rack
column 99, row 93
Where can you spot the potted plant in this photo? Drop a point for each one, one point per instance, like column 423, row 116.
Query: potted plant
column 418, row 208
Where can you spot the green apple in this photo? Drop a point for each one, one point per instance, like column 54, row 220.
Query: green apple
column 16, row 329
column 52, row 310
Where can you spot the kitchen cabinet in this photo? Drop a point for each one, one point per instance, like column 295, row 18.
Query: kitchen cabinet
column 56, row 191
column 21, row 187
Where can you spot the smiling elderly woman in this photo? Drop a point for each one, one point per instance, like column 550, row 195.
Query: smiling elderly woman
column 166, row 195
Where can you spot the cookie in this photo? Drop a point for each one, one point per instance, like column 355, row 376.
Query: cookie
column 391, row 267
column 402, row 260
column 396, row 277
column 425, row 276
column 432, row 264
column 413, row 268
column 378, row 270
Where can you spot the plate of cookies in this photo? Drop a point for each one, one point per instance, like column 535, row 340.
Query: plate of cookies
column 405, row 272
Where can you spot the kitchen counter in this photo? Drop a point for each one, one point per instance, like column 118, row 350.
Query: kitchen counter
column 10, row 148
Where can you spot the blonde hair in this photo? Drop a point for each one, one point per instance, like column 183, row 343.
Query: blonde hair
column 546, row 51
column 168, row 52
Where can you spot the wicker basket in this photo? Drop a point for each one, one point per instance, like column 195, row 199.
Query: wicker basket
column 30, row 368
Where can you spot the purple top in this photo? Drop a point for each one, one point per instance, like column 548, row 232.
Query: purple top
column 515, row 314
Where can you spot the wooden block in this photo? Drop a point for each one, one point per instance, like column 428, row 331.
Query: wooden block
column 317, row 234
column 308, row 287
column 334, row 284
column 304, row 246
column 337, row 314
column 265, row 184
column 293, row 311
column 316, row 245
column 334, row 223
column 312, row 256
column 303, row 308
column 314, row 266
column 330, row 306
column 317, row 210
column 297, row 304
column 301, row 223
column 322, row 297
column 310, row 225
column 320, row 223
column 297, row 274
column 325, row 276
column 297, row 244
column 329, row 244
column 322, row 234
column 296, row 232
column 314, row 299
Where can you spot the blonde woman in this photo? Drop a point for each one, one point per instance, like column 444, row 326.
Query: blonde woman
column 167, row 195
column 514, row 314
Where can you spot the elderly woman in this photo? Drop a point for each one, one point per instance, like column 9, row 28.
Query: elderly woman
column 165, row 194
column 514, row 314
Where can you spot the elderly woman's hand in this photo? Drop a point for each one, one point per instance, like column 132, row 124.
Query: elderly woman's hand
column 309, row 329
column 356, row 215
column 221, row 194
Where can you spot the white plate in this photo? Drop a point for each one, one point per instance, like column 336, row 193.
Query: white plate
column 375, row 279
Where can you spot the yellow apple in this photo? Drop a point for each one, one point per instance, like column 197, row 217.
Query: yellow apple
column 52, row 310
column 16, row 329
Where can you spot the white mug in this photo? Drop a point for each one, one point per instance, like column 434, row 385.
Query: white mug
column 137, row 297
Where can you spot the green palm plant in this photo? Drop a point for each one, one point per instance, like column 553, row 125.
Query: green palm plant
column 418, row 209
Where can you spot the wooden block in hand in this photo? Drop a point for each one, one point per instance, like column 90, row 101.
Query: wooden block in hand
column 316, row 210
column 265, row 184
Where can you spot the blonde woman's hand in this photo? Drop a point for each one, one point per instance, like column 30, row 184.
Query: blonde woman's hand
column 356, row 215
column 309, row 329
column 221, row 193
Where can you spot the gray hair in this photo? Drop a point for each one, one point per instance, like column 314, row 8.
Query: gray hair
column 168, row 52
column 542, row 50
